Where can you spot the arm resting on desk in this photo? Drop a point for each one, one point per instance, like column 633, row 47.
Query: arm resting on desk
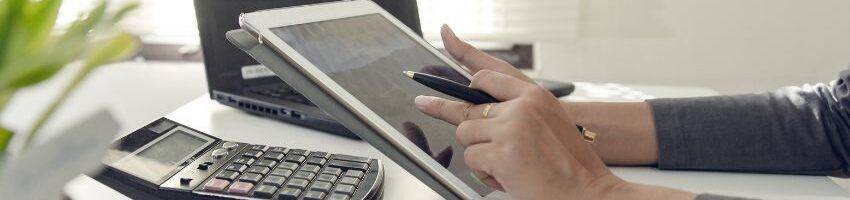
column 793, row 130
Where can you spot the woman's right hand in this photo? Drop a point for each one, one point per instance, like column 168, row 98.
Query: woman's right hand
column 476, row 60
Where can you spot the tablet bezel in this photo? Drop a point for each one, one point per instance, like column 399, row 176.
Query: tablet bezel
column 260, row 24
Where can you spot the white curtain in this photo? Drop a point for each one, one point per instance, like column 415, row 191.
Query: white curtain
column 481, row 20
column 502, row 20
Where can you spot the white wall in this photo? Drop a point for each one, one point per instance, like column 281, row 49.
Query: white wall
column 732, row 46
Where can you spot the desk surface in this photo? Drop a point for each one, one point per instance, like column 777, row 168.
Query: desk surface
column 128, row 91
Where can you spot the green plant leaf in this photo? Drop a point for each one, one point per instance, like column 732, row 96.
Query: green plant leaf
column 5, row 137
column 9, row 13
column 113, row 49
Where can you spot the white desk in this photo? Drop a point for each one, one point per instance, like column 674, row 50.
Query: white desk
column 140, row 92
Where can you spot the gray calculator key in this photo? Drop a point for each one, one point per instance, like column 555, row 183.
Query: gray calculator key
column 304, row 175
column 316, row 161
column 344, row 189
column 326, row 178
column 295, row 158
column 251, row 177
column 314, row 195
column 332, row 171
column 281, row 172
column 301, row 152
column 353, row 173
column 228, row 175
column 351, row 158
column 267, row 163
column 277, row 149
column 244, row 160
column 348, row 165
column 289, row 194
column 311, row 168
column 349, row 180
column 252, row 154
column 236, row 167
column 297, row 183
column 265, row 191
column 338, row 197
column 258, row 147
column 258, row 169
column 321, row 186
column 288, row 165
column 320, row 154
column 274, row 156
column 274, row 180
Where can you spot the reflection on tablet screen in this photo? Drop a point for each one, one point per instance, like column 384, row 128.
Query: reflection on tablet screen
column 366, row 55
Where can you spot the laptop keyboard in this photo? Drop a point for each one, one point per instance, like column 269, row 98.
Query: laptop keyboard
column 281, row 91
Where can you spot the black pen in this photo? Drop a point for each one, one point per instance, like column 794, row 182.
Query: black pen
column 471, row 95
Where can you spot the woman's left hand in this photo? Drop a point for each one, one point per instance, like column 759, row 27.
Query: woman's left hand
column 526, row 145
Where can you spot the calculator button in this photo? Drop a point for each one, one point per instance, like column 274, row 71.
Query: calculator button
column 244, row 160
column 289, row 194
column 258, row 169
column 265, row 191
column 315, row 161
column 294, row 158
column 274, row 156
column 228, row 175
column 218, row 153
column 344, row 189
column 314, row 195
column 203, row 166
column 320, row 154
column 277, row 149
column 326, row 177
column 252, row 154
column 310, row 168
column 349, row 180
column 185, row 181
column 229, row 145
column 251, row 177
column 338, row 197
column 216, row 185
column 351, row 158
column 236, row 167
column 267, row 163
column 304, row 175
column 353, row 173
column 240, row 188
column 297, row 183
column 332, row 171
column 281, row 172
column 257, row 147
column 301, row 152
column 274, row 180
column 321, row 186
column 348, row 165
column 288, row 165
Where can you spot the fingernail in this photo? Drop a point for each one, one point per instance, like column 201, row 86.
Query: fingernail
column 422, row 101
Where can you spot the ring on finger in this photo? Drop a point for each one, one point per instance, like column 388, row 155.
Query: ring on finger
column 487, row 109
column 466, row 111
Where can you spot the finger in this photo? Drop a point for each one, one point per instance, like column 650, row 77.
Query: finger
column 453, row 112
column 499, row 85
column 488, row 180
column 471, row 57
column 472, row 132
column 480, row 157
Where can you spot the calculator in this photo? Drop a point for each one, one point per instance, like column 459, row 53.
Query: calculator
column 167, row 160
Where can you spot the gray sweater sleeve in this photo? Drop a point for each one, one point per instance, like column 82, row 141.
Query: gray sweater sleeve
column 793, row 130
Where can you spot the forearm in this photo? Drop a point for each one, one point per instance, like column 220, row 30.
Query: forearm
column 625, row 131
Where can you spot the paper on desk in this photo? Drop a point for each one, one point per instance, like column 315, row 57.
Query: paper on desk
column 43, row 170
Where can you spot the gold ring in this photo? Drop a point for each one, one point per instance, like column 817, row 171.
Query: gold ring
column 487, row 109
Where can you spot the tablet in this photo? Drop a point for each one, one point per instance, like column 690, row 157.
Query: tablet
column 356, row 52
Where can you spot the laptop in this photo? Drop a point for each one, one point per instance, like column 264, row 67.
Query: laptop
column 237, row 80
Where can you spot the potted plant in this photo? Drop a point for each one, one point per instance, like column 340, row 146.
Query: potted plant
column 33, row 49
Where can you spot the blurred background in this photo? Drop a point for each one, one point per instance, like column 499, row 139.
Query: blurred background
column 732, row 46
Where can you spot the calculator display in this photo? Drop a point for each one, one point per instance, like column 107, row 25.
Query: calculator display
column 156, row 161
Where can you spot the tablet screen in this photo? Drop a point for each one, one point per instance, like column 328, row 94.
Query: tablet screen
column 366, row 56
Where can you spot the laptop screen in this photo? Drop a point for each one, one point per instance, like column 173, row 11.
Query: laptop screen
column 366, row 56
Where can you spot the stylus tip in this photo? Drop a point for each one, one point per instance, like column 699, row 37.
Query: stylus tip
column 409, row 74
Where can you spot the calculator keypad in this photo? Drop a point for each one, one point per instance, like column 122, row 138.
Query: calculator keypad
column 280, row 173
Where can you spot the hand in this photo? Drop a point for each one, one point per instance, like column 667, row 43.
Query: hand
column 523, row 146
column 476, row 60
